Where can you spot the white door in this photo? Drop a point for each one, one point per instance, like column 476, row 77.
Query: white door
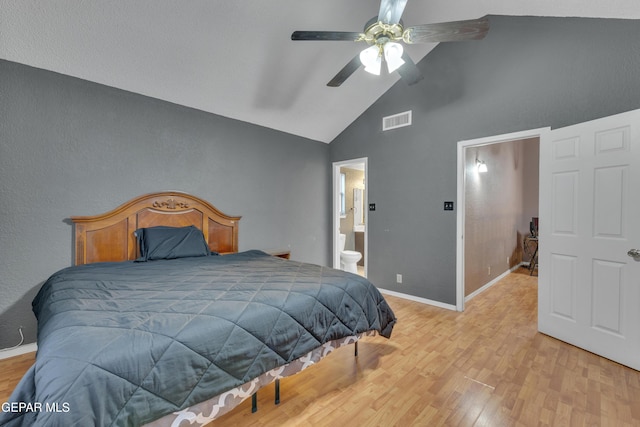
column 589, row 286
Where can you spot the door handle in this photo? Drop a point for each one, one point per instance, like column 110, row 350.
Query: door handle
column 634, row 253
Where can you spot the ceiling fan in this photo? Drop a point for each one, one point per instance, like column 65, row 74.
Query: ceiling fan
column 384, row 33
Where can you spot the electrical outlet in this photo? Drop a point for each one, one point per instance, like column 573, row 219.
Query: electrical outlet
column 398, row 278
column 448, row 206
column 508, row 261
column 489, row 271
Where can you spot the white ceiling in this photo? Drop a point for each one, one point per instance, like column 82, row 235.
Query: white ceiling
column 236, row 58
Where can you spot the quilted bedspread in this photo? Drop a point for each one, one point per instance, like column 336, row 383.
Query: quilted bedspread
column 127, row 343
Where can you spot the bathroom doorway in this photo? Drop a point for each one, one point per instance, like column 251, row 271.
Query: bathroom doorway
column 350, row 216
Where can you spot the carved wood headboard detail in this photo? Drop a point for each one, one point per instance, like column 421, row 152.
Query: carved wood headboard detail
column 109, row 236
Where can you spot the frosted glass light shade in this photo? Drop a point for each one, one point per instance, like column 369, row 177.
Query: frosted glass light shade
column 482, row 166
column 393, row 55
column 371, row 59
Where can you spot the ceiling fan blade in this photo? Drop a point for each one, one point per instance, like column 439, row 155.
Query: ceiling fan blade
column 409, row 71
column 391, row 11
column 325, row 35
column 472, row 29
column 346, row 72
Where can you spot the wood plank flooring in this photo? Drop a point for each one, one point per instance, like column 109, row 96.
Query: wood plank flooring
column 487, row 366
column 11, row 371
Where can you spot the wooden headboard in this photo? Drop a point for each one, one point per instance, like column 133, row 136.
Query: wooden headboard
column 109, row 236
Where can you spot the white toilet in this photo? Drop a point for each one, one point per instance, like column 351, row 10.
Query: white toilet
column 348, row 259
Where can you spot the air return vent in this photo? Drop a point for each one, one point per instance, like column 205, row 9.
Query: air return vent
column 396, row 121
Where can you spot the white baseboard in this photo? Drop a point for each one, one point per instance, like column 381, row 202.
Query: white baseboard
column 451, row 306
column 494, row 281
column 23, row 349
column 418, row 299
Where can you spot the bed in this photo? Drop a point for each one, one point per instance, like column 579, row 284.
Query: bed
column 162, row 322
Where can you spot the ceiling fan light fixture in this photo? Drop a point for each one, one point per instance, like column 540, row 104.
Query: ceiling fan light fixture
column 371, row 59
column 382, row 32
column 393, row 55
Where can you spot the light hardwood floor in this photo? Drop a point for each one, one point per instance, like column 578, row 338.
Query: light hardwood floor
column 487, row 366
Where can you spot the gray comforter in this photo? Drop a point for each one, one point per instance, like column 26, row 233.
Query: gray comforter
column 126, row 343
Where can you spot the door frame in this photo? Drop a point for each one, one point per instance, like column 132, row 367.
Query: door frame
column 460, row 198
column 335, row 211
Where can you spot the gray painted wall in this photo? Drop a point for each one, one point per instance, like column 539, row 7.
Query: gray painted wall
column 71, row 147
column 527, row 73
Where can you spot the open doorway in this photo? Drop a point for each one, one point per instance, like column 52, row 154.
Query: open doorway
column 497, row 198
column 350, row 216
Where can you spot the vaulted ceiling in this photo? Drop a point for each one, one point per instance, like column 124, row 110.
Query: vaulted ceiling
column 236, row 58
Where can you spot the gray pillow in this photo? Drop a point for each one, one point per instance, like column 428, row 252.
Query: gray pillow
column 163, row 242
